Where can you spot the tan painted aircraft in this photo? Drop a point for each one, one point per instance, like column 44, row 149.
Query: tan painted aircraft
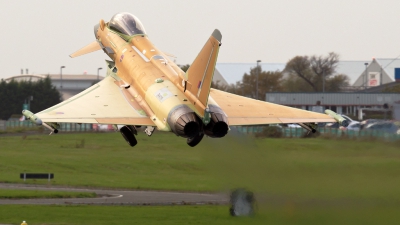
column 143, row 87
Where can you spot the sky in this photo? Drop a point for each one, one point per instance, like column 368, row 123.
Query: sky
column 40, row 35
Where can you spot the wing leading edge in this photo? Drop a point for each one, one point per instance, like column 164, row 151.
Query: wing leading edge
column 245, row 111
column 105, row 103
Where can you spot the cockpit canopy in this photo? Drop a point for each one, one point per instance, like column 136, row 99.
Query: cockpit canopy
column 126, row 23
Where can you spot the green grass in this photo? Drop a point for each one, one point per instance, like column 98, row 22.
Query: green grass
column 162, row 161
column 174, row 215
column 311, row 168
column 296, row 181
column 301, row 167
column 22, row 130
column 26, row 194
column 119, row 215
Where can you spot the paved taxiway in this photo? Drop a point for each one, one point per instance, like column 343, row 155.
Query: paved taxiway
column 117, row 197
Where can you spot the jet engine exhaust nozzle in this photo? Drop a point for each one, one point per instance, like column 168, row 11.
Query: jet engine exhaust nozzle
column 218, row 126
column 184, row 122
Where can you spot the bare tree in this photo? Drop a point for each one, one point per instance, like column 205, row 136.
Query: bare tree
column 315, row 70
column 324, row 66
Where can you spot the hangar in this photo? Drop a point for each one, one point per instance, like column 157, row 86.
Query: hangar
column 342, row 103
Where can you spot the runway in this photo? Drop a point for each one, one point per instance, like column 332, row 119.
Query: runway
column 116, row 197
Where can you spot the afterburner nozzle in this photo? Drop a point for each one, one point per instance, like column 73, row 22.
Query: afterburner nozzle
column 342, row 121
column 32, row 117
column 184, row 122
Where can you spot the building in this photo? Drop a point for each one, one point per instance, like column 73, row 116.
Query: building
column 369, row 74
column 396, row 111
column 342, row 103
column 69, row 85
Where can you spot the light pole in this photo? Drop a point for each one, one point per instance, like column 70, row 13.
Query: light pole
column 62, row 67
column 258, row 61
column 366, row 76
column 98, row 69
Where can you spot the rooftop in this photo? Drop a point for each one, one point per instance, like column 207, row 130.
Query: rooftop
column 34, row 77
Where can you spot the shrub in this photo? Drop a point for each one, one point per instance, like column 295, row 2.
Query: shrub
column 271, row 132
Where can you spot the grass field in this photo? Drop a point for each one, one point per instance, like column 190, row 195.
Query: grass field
column 163, row 161
column 174, row 215
column 108, row 215
column 22, row 130
column 25, row 194
column 296, row 181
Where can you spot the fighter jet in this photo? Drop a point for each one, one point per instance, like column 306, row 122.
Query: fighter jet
column 144, row 87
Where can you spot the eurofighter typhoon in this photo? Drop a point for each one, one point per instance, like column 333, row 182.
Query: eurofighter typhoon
column 143, row 87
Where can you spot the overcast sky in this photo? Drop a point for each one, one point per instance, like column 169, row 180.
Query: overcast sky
column 40, row 35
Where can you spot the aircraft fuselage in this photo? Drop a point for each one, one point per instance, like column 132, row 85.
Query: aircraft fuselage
column 149, row 75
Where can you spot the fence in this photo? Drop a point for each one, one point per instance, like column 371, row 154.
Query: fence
column 360, row 134
column 286, row 131
column 65, row 127
column 300, row 132
column 17, row 123
column 2, row 125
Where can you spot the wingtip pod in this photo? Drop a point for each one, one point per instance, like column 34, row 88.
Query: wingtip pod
column 342, row 121
column 36, row 120
column 32, row 117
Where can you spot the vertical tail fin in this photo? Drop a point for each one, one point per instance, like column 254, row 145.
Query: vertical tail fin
column 201, row 72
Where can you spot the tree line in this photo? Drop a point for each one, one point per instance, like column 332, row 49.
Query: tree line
column 14, row 94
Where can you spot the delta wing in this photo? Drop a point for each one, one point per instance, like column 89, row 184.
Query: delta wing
column 245, row 111
column 105, row 102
